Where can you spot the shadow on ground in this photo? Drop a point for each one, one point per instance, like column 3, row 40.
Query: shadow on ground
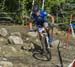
column 37, row 52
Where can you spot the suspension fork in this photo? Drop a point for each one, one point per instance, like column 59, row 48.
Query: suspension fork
column 41, row 40
column 47, row 30
column 39, row 35
column 48, row 46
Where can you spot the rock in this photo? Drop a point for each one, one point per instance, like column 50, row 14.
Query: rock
column 63, row 32
column 58, row 32
column 0, row 66
column 20, row 65
column 3, row 32
column 13, row 49
column 6, row 64
column 55, row 43
column 4, row 59
column 55, row 30
column 0, row 48
column 27, row 38
column 37, row 40
column 32, row 45
column 33, row 34
column 3, row 40
column 3, row 52
column 28, row 46
column 15, row 40
column 16, row 34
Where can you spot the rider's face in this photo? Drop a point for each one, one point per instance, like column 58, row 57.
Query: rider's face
column 37, row 13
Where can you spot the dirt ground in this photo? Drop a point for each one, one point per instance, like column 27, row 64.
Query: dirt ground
column 24, row 58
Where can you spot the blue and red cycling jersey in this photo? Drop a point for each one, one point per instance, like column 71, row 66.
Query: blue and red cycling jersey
column 40, row 20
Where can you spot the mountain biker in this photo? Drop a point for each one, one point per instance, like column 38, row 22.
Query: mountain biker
column 39, row 17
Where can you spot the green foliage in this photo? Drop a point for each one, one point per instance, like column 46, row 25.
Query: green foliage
column 55, row 2
column 61, row 9
column 64, row 27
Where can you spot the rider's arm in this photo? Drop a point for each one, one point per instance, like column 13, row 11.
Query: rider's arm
column 31, row 21
column 49, row 15
column 52, row 18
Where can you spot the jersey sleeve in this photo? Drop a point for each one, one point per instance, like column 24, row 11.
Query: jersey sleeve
column 45, row 13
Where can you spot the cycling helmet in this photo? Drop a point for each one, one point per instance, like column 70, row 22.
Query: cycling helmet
column 35, row 9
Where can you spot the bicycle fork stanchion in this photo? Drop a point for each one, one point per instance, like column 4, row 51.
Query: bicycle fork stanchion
column 43, row 46
column 48, row 42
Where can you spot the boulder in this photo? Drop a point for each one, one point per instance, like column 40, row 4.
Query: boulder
column 33, row 34
column 27, row 38
column 28, row 46
column 3, row 32
column 16, row 34
column 13, row 49
column 55, row 44
column 15, row 40
column 6, row 64
column 3, row 40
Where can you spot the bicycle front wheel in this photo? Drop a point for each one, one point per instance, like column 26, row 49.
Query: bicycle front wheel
column 46, row 50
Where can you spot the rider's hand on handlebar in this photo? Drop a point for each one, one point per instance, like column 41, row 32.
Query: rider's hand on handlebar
column 52, row 24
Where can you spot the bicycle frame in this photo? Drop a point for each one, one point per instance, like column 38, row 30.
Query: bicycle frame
column 43, row 33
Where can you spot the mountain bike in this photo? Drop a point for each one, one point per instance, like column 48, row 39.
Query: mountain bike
column 44, row 38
